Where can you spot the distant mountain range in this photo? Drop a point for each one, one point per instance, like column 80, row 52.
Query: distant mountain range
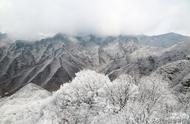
column 53, row 61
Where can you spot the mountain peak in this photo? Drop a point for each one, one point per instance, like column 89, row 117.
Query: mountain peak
column 59, row 36
column 170, row 34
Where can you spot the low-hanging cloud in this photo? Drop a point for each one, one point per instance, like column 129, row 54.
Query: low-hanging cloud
column 33, row 18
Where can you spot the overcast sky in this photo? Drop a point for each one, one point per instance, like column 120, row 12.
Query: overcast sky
column 35, row 18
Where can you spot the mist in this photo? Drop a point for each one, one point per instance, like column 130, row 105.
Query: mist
column 33, row 19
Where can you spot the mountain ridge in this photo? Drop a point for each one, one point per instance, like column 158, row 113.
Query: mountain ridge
column 53, row 61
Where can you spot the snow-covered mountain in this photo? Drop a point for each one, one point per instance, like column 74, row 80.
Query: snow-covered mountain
column 177, row 74
column 164, row 40
column 96, row 80
column 41, row 62
column 53, row 61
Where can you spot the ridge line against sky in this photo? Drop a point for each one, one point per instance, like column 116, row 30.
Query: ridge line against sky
column 37, row 18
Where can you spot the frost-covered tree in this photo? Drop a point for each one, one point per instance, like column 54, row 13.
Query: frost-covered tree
column 91, row 98
column 85, row 95
column 91, row 94
column 121, row 90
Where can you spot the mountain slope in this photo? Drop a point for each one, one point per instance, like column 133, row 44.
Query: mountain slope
column 145, row 60
column 38, row 62
column 53, row 61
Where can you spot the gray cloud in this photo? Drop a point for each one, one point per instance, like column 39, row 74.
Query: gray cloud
column 35, row 18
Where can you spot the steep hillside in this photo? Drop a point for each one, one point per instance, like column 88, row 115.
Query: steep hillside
column 53, row 61
column 41, row 62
